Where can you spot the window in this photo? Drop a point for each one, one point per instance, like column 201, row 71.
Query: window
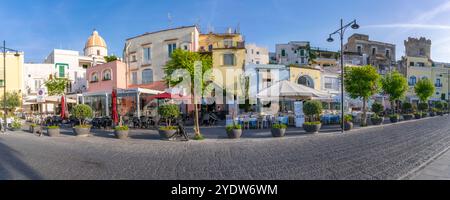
column 303, row 60
column 85, row 66
column 252, row 51
column 210, row 47
column 421, row 52
column 171, row 48
column 359, row 49
column 134, row 78
column 257, row 53
column 411, row 64
column 98, row 52
column 229, row 43
column 37, row 84
column 94, row 77
column 62, row 71
column 133, row 58
column 421, row 64
column 75, row 74
column 147, row 55
column 107, row 75
column 306, row 81
column 283, row 52
column 374, row 50
column 412, row 80
column 331, row 83
column 302, row 52
column 438, row 83
column 228, row 59
column 388, row 53
column 257, row 62
column 147, row 76
column 185, row 47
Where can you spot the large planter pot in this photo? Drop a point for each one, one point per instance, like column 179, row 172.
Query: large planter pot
column 166, row 134
column 432, row 114
column 35, row 129
column 407, row 117
column 424, row 115
column 377, row 121
column 417, row 116
column 15, row 129
column 234, row 134
column 121, row 134
column 393, row 119
column 348, row 126
column 82, row 132
column 278, row 132
column 53, row 132
column 312, row 128
column 440, row 113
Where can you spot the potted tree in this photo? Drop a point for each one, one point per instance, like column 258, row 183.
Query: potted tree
column 312, row 111
column 423, row 107
column 348, row 122
column 82, row 112
column 168, row 112
column 234, row 131
column 278, row 130
column 53, row 131
column 377, row 117
column 121, row 132
column 16, row 125
column 395, row 85
column 439, row 108
column 362, row 82
column 424, row 89
column 407, row 110
column 445, row 107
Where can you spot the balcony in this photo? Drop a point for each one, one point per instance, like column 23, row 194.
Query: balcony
column 229, row 45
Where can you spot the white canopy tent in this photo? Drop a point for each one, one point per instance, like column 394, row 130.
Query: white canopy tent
column 288, row 90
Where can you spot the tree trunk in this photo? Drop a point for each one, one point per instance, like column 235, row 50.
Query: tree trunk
column 364, row 115
column 196, row 121
column 394, row 107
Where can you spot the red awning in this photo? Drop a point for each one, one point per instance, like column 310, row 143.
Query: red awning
column 167, row 95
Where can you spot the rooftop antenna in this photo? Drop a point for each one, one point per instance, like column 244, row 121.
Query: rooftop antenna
column 169, row 17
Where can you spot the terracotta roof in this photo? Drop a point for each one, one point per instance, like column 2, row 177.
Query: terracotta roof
column 158, row 85
column 95, row 40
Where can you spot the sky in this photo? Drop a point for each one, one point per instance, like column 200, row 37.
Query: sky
column 38, row 26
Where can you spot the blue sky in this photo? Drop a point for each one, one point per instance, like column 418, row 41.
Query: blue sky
column 38, row 26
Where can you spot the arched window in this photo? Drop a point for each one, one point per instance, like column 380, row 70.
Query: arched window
column 306, row 81
column 412, row 80
column 147, row 76
column 94, row 77
column 107, row 75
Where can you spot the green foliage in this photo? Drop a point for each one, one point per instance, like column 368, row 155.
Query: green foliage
column 168, row 128
column 377, row 108
column 233, row 127
column 312, row 109
column 407, row 107
column 395, row 85
column 438, row 105
column 12, row 100
column 199, row 137
column 279, row 126
column 81, row 112
column 169, row 112
column 121, row 128
column 83, row 126
column 445, row 105
column 16, row 124
column 375, row 116
column 422, row 106
column 33, row 125
column 424, row 89
column 110, row 58
column 53, row 127
column 56, row 86
column 394, row 116
column 348, row 118
column 361, row 82
column 312, row 123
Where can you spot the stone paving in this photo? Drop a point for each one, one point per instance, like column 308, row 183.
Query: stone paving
column 438, row 169
column 386, row 152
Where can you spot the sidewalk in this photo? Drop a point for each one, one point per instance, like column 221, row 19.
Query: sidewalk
column 438, row 169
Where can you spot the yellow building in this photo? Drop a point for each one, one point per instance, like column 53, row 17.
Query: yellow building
column 228, row 54
column 14, row 71
column 308, row 76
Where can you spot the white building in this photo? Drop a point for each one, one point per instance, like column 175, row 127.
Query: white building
column 147, row 54
column 256, row 55
column 293, row 53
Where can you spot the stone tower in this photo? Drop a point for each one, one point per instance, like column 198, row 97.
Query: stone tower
column 418, row 47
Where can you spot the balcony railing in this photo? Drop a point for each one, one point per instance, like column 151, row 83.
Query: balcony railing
column 229, row 45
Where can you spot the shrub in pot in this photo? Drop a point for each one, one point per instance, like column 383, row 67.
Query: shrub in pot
column 433, row 112
column 121, row 132
column 423, row 107
column 53, row 131
column 377, row 108
column 445, row 107
column 312, row 111
column 439, row 106
column 81, row 112
column 418, row 115
column 16, row 125
column 34, row 128
column 168, row 112
column 394, row 118
column 279, row 130
column 376, row 120
column 234, row 131
column 407, row 110
column 348, row 122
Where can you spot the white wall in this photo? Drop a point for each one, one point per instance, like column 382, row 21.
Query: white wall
column 256, row 54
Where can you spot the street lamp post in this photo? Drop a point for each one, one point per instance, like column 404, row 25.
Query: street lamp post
column 341, row 32
column 4, row 48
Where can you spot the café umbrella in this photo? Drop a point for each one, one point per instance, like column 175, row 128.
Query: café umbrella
column 63, row 107
column 115, row 117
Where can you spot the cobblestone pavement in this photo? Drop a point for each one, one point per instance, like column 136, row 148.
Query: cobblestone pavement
column 438, row 169
column 387, row 152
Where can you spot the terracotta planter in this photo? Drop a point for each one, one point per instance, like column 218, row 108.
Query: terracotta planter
column 82, row 132
column 377, row 121
column 312, row 128
column 53, row 132
column 166, row 134
column 121, row 134
column 278, row 132
column 348, row 126
column 234, row 134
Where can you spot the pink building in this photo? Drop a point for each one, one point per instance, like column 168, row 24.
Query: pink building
column 105, row 77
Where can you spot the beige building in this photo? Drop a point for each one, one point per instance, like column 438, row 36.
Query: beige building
column 147, row 54
column 256, row 55
column 14, row 72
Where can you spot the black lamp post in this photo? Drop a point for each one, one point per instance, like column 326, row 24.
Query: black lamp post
column 4, row 81
column 341, row 32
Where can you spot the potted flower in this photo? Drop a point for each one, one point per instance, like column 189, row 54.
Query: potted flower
column 121, row 132
column 278, row 130
column 312, row 110
column 82, row 112
column 234, row 131
column 377, row 117
column 34, row 128
column 423, row 107
column 16, row 125
column 407, row 110
column 168, row 112
column 394, row 118
column 348, row 122
column 53, row 131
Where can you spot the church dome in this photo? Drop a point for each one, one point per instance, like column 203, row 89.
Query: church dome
column 95, row 40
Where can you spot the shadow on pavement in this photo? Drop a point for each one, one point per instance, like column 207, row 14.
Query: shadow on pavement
column 10, row 163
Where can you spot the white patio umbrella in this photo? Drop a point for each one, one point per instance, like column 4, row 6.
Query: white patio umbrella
column 286, row 89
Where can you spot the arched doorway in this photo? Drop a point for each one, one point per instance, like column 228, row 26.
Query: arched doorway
column 306, row 81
